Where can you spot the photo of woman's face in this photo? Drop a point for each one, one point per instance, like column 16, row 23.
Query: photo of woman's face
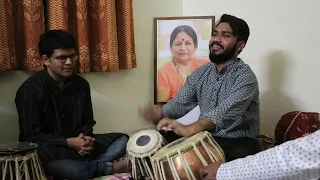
column 183, row 47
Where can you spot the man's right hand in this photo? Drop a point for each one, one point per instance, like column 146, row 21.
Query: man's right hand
column 87, row 147
column 151, row 113
column 76, row 143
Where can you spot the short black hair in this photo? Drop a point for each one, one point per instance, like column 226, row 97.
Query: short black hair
column 239, row 27
column 187, row 29
column 55, row 39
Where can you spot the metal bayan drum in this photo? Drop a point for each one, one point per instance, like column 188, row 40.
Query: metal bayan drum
column 183, row 158
column 141, row 146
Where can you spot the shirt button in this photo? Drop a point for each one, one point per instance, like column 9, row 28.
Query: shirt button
column 62, row 115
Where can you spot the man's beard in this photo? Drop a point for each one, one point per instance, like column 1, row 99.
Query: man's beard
column 222, row 57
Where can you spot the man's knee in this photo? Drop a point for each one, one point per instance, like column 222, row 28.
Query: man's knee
column 119, row 147
column 115, row 150
column 121, row 144
column 123, row 139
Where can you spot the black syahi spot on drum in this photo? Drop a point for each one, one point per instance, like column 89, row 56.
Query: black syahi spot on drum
column 143, row 140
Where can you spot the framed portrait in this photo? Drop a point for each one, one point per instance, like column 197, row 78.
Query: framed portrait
column 181, row 45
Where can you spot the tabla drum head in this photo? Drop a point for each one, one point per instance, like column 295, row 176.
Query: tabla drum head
column 144, row 143
column 182, row 144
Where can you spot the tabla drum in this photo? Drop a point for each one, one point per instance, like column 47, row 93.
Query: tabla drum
column 183, row 158
column 141, row 146
column 21, row 165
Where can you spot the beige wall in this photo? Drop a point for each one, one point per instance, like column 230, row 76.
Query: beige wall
column 115, row 95
column 282, row 50
column 279, row 50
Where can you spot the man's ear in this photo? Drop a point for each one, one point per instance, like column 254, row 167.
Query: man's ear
column 241, row 45
column 45, row 60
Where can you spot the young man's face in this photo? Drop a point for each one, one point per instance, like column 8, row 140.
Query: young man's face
column 62, row 62
column 223, row 44
column 223, row 39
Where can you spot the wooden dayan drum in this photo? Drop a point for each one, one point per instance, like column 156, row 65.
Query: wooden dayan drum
column 140, row 147
column 183, row 158
column 23, row 165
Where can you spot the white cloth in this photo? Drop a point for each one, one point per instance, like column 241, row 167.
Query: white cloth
column 189, row 118
column 298, row 159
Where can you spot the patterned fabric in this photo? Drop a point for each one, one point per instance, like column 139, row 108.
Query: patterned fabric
column 20, row 29
column 230, row 98
column 267, row 142
column 103, row 28
column 294, row 160
column 121, row 176
column 296, row 124
column 7, row 58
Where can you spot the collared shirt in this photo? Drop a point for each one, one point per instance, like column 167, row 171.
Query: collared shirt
column 230, row 98
column 49, row 115
column 297, row 159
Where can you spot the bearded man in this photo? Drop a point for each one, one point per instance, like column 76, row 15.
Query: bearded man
column 227, row 92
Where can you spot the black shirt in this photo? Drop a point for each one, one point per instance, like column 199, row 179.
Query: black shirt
column 49, row 115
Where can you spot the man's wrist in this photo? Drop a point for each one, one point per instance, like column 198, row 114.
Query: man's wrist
column 161, row 112
column 201, row 125
column 160, row 115
column 206, row 125
column 69, row 142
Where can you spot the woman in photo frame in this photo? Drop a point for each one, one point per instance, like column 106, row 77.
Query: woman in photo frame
column 173, row 74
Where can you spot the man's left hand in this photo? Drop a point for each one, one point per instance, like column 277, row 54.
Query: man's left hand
column 87, row 147
column 210, row 172
column 179, row 129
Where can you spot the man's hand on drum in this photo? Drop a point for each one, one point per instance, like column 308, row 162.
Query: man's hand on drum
column 151, row 113
column 210, row 172
column 87, row 145
column 179, row 129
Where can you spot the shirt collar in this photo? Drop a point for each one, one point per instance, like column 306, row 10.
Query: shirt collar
column 47, row 78
column 228, row 66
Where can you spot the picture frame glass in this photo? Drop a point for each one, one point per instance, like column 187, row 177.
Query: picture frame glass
column 181, row 45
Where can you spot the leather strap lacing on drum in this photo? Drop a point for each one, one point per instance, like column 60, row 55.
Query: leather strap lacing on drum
column 220, row 152
column 36, row 168
column 213, row 158
column 186, row 166
column 158, row 167
column 139, row 159
column 143, row 166
column 201, row 147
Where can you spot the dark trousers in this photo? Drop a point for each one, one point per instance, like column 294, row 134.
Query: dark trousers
column 238, row 147
column 233, row 148
column 83, row 170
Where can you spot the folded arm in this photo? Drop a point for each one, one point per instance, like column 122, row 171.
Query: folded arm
column 31, row 127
